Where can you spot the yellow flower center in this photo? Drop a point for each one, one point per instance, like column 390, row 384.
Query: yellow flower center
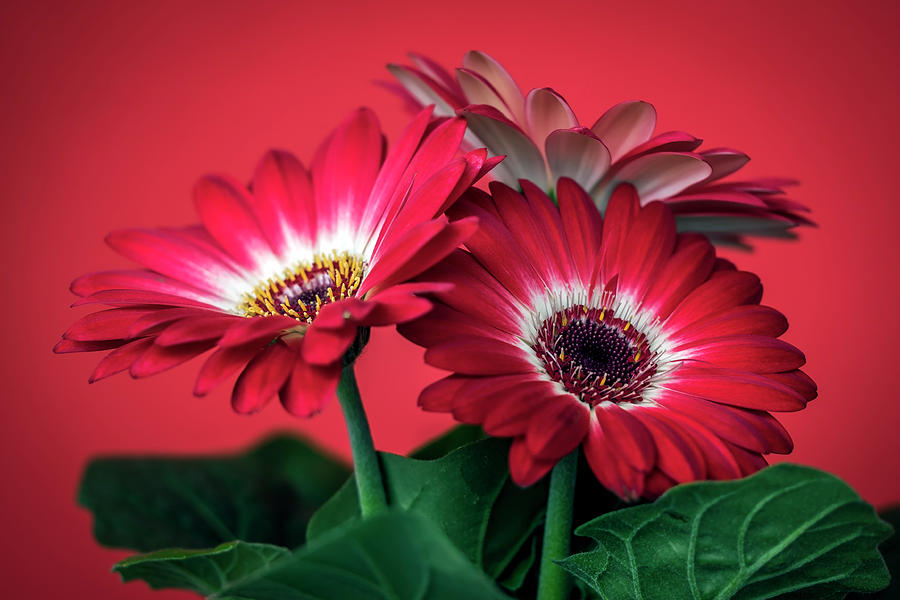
column 302, row 290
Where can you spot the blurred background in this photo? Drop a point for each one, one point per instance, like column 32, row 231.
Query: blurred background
column 111, row 110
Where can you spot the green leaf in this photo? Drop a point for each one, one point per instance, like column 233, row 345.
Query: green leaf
column 266, row 495
column 787, row 531
column 444, row 444
column 394, row 556
column 891, row 551
column 467, row 493
column 204, row 571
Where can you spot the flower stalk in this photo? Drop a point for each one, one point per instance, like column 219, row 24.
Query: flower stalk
column 553, row 583
column 366, row 470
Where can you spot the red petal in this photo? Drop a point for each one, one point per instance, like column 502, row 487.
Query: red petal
column 161, row 358
column 754, row 430
column 627, row 435
column 676, row 454
column 723, row 290
column 558, row 428
column 478, row 356
column 262, row 378
column 524, row 468
column 120, row 359
column 257, row 328
column 222, row 363
column 196, row 329
column 309, row 387
column 112, row 324
column 747, row 319
column 735, row 388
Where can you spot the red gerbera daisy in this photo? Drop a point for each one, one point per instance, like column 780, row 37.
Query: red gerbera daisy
column 620, row 336
column 280, row 278
column 544, row 141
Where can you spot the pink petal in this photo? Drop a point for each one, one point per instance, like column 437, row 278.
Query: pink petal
column 283, row 203
column 624, row 126
column 224, row 207
column 545, row 112
column 478, row 91
column 499, row 79
column 172, row 256
column 670, row 141
column 139, row 280
column 423, row 89
column 578, row 155
column 143, row 297
column 724, row 161
column 523, row 159
column 344, row 171
column 419, row 249
column 661, row 175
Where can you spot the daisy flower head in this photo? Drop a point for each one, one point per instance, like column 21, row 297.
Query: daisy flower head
column 617, row 334
column 544, row 140
column 282, row 278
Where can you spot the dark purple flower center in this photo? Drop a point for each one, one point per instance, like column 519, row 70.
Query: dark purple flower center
column 598, row 348
column 595, row 355
column 300, row 292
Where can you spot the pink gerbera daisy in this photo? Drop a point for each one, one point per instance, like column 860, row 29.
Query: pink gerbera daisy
column 283, row 278
column 543, row 141
column 619, row 335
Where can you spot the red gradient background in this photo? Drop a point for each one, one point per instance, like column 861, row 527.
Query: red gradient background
column 111, row 110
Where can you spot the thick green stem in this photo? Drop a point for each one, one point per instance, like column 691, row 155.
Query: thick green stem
column 554, row 582
column 372, row 499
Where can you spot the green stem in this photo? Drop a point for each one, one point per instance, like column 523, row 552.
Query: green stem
column 554, row 582
column 372, row 499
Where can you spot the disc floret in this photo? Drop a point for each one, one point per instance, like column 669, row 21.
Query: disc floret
column 301, row 290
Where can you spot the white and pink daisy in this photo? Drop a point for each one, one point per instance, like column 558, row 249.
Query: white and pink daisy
column 283, row 278
column 543, row 140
